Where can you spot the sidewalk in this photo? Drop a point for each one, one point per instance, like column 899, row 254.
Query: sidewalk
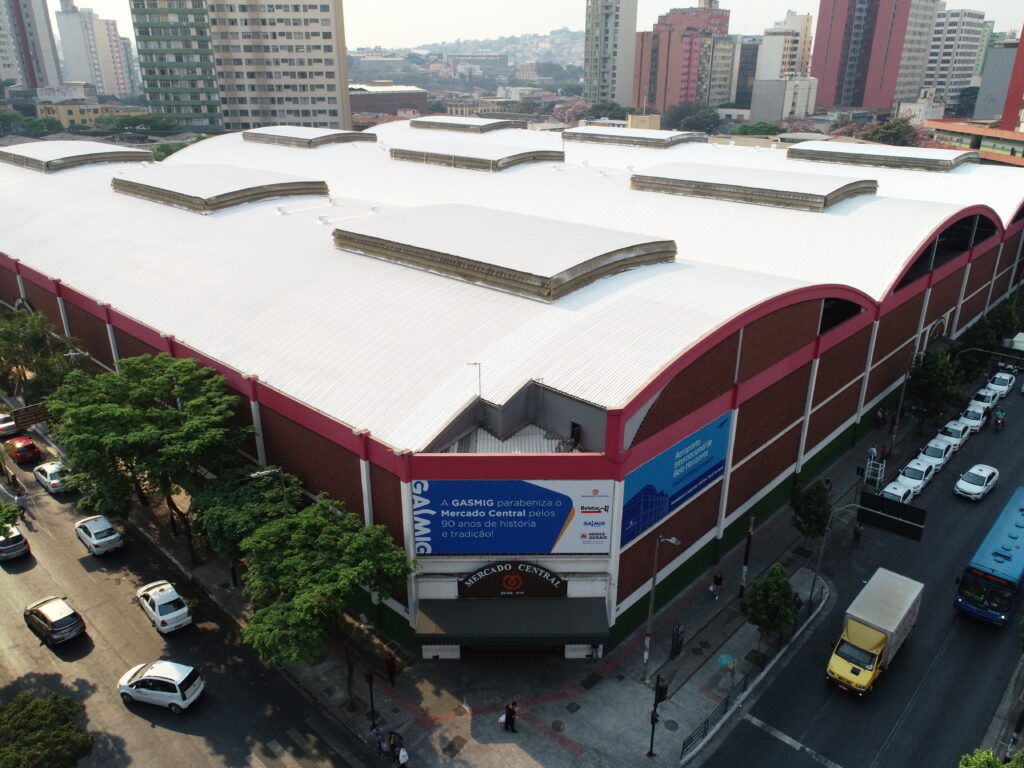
column 572, row 713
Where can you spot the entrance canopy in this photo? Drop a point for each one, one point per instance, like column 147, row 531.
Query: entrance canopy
column 569, row 621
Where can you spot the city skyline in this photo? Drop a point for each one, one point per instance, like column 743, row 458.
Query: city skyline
column 449, row 20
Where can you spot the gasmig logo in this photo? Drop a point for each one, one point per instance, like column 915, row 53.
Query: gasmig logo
column 422, row 518
column 594, row 523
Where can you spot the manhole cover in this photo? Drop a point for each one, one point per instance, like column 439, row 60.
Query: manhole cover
column 453, row 747
column 460, row 711
column 670, row 725
column 590, row 681
column 558, row 726
column 573, row 707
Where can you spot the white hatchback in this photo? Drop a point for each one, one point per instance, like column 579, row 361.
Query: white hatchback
column 937, row 453
column 976, row 482
column 98, row 535
column 955, row 433
column 51, row 476
column 163, row 605
column 916, row 475
column 164, row 683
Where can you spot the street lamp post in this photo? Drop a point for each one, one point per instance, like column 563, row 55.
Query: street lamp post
column 373, row 711
column 650, row 602
column 280, row 473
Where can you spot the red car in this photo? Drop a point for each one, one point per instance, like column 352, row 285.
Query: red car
column 21, row 449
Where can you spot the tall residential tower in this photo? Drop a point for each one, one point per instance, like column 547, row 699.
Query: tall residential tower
column 92, row 50
column 28, row 53
column 609, row 50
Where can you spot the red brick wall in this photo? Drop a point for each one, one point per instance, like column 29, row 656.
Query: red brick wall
column 891, row 370
column 766, row 414
column 324, row 466
column 91, row 331
column 747, row 480
column 1001, row 285
column 981, row 271
column 129, row 346
column 842, row 364
column 971, row 308
column 895, row 327
column 829, row 416
column 387, row 502
column 41, row 300
column 8, row 286
column 944, row 296
column 688, row 524
column 700, row 382
column 777, row 335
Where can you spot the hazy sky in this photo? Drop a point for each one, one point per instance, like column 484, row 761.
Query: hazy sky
column 405, row 23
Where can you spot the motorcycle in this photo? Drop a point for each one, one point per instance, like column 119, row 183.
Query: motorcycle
column 999, row 423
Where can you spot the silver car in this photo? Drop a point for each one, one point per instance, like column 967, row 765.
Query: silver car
column 12, row 544
column 51, row 476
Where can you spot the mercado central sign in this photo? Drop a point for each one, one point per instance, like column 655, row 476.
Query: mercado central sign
column 512, row 578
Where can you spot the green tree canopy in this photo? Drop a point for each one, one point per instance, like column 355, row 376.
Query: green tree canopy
column 9, row 514
column 29, row 344
column 705, row 120
column 162, row 151
column 768, row 602
column 305, row 569
column 673, row 116
column 934, row 385
column 8, row 119
column 811, row 510
column 757, row 129
column 898, row 132
column 38, row 126
column 42, row 732
column 986, row 758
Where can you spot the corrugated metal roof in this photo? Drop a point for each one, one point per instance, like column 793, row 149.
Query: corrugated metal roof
column 385, row 347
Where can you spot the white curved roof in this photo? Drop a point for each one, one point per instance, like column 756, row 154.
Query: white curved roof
column 385, row 347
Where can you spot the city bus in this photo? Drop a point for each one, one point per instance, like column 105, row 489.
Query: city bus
column 989, row 584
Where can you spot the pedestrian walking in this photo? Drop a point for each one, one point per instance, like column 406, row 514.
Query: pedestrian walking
column 716, row 584
column 858, row 531
column 828, row 485
column 394, row 745
column 872, row 453
column 391, row 665
column 511, row 713
column 381, row 737
column 19, row 500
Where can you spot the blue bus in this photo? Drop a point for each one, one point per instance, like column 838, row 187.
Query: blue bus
column 989, row 584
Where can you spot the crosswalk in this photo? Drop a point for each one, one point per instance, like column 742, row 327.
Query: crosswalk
column 317, row 746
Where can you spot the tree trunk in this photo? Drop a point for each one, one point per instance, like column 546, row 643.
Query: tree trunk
column 166, row 488
column 140, row 494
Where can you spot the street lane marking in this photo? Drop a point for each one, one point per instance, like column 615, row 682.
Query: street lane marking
column 280, row 754
column 324, row 731
column 308, row 747
column 255, row 762
column 791, row 742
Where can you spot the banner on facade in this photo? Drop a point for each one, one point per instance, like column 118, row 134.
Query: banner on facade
column 512, row 578
column 508, row 517
column 660, row 486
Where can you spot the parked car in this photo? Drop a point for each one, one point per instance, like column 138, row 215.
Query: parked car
column 164, row 683
column 976, row 482
column 955, row 433
column 98, row 534
column 51, row 476
column 164, row 606
column 897, row 492
column 975, row 417
column 13, row 544
column 22, row 449
column 1001, row 383
column 937, row 453
column 7, row 426
column 985, row 398
column 916, row 475
column 53, row 620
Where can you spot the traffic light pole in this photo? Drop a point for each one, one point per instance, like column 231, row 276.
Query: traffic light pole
column 660, row 694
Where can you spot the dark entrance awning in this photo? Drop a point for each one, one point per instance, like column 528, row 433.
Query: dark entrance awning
column 572, row 621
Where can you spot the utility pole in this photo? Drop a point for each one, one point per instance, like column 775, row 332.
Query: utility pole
column 660, row 694
column 746, row 557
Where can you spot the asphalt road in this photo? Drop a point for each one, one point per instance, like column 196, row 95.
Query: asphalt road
column 937, row 700
column 247, row 716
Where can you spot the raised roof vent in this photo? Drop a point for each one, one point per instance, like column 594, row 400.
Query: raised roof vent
column 802, row 191
column 907, row 158
column 464, row 124
column 304, row 138
column 632, row 137
column 476, row 157
column 208, row 188
column 49, row 156
column 530, row 256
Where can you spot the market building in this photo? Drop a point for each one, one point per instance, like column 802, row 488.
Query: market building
column 528, row 355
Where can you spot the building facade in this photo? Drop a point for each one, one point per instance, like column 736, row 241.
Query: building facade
column 776, row 100
column 872, row 53
column 956, row 42
column 786, row 48
column 386, row 99
column 76, row 115
column 609, row 51
column 28, row 52
column 995, row 79
column 93, row 50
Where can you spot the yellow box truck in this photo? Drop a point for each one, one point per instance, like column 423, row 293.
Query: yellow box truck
column 876, row 625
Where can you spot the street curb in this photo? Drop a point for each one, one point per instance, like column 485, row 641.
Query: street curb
column 757, row 680
column 1001, row 736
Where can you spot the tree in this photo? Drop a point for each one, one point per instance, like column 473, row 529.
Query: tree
column 934, row 385
column 986, row 758
column 705, row 120
column 29, row 344
column 674, row 115
column 768, row 602
column 42, row 732
column 163, row 150
column 811, row 510
column 570, row 111
column 9, row 514
column 757, row 129
column 305, row 569
column 898, row 132
column 38, row 126
column 8, row 119
column 609, row 109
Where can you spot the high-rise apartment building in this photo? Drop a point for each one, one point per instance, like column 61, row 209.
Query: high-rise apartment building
column 243, row 66
column 746, row 70
column 719, row 66
column 92, row 50
column 28, row 52
column 671, row 57
column 132, row 64
column 786, row 48
column 872, row 53
column 609, row 51
column 995, row 79
column 954, row 52
column 988, row 29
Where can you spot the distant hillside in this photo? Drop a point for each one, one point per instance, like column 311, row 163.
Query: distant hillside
column 564, row 46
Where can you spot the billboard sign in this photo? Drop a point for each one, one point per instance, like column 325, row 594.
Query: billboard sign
column 513, row 578
column 658, row 487
column 509, row 517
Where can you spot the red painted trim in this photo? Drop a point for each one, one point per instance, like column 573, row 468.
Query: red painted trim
column 841, row 333
column 614, row 434
column 83, row 302
column 986, row 245
column 1014, row 226
column 1014, row 94
column 497, row 466
column 140, row 331
column 310, row 418
column 35, row 277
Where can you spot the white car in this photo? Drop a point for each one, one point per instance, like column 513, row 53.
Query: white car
column 955, row 433
column 164, row 683
column 937, row 453
column 1002, row 383
column 974, row 416
column 897, row 492
column 164, row 606
column 976, row 482
column 916, row 475
column 98, row 534
column 984, row 398
column 51, row 476
column 7, row 426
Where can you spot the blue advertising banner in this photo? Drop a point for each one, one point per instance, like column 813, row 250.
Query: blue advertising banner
column 472, row 517
column 663, row 484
